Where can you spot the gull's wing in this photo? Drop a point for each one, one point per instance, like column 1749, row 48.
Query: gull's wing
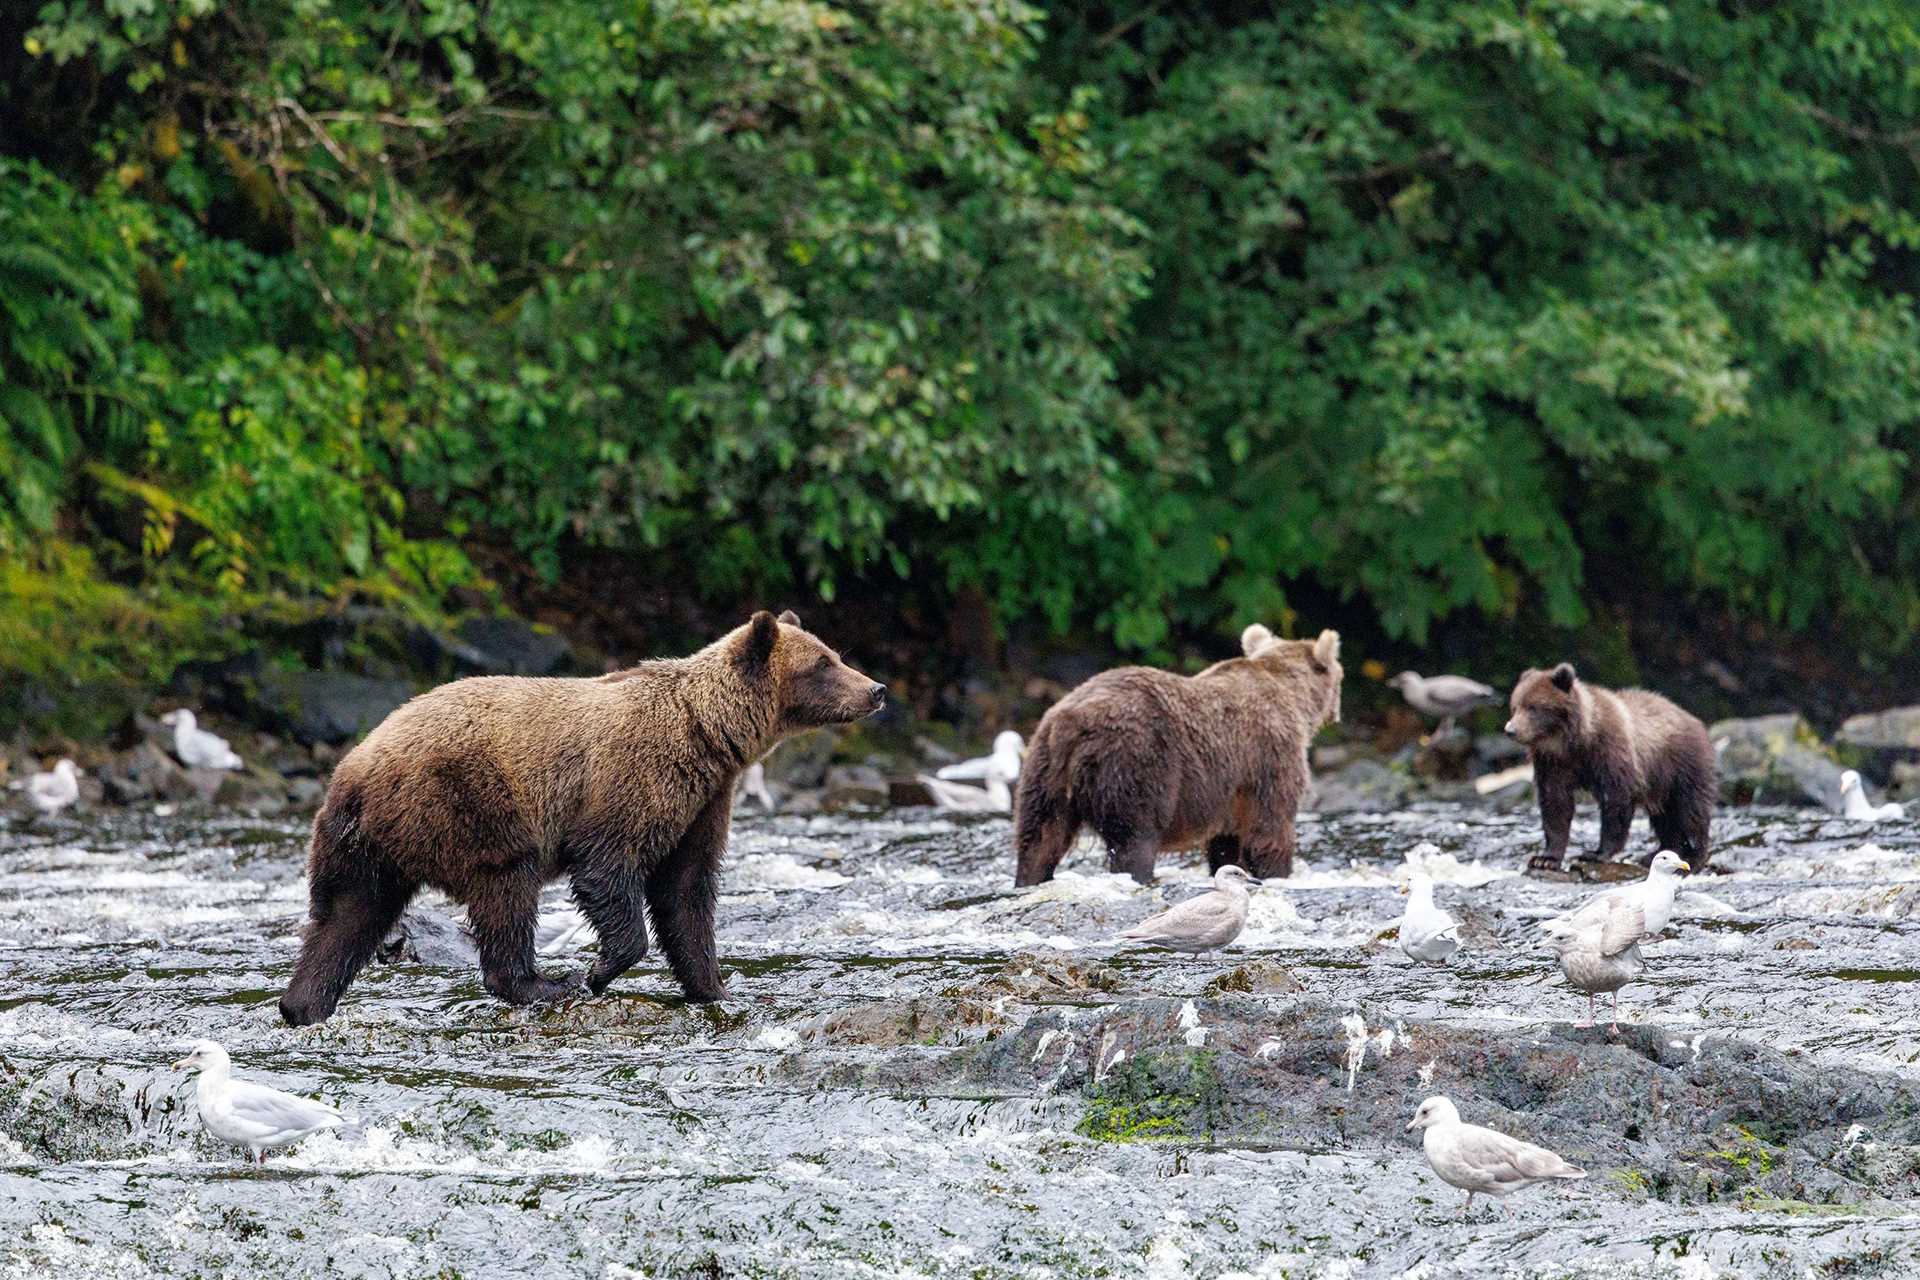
column 275, row 1112
column 1192, row 918
column 1457, row 690
column 965, row 769
column 1623, row 926
column 1504, row 1162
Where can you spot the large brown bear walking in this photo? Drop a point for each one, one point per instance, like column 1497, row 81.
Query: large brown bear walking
column 1153, row 761
column 1628, row 748
column 492, row 787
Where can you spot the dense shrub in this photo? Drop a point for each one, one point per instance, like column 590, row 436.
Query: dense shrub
column 1141, row 315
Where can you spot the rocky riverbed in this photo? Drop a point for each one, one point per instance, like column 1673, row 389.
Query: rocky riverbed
column 921, row 1071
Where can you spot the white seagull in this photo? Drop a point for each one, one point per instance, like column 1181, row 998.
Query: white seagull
column 1427, row 933
column 1205, row 923
column 52, row 792
column 1008, row 750
column 247, row 1114
column 753, row 784
column 1855, row 805
column 196, row 747
column 1482, row 1161
column 1649, row 901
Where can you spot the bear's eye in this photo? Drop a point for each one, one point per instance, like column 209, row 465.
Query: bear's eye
column 822, row 663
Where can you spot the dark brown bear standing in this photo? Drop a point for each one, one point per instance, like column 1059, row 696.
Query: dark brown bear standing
column 1627, row 748
column 1153, row 761
column 490, row 788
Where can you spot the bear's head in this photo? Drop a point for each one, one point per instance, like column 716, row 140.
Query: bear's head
column 1315, row 663
column 810, row 685
column 1548, row 709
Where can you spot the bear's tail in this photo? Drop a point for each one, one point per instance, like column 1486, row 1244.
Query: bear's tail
column 1043, row 819
column 355, row 896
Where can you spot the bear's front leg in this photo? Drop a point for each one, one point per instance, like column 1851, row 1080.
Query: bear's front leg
column 1616, row 819
column 1555, row 787
column 611, row 892
column 682, row 889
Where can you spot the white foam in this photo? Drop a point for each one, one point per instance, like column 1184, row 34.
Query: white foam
column 779, row 871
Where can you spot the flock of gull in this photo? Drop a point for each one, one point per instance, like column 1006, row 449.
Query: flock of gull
column 1597, row 945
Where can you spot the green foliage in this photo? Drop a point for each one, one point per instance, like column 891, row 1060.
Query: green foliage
column 1151, row 315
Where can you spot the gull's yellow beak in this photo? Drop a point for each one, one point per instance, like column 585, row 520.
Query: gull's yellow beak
column 183, row 1062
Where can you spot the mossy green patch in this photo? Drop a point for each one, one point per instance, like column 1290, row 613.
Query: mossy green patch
column 1156, row 1097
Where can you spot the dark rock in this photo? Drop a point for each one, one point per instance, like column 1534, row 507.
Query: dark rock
column 906, row 793
column 423, row 936
column 1897, row 729
column 254, row 789
column 145, row 772
column 854, row 786
column 305, row 793
column 1362, row 785
column 1497, row 751
column 1257, row 977
column 325, row 706
column 509, row 646
column 800, row 764
column 1775, row 758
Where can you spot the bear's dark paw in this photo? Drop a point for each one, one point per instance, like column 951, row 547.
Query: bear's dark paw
column 298, row 1012
column 1604, row 870
column 537, row 989
column 706, row 995
column 1547, row 865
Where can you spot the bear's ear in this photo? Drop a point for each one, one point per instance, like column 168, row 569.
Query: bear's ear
column 1254, row 639
column 1326, row 650
column 1562, row 677
column 757, row 645
column 789, row 619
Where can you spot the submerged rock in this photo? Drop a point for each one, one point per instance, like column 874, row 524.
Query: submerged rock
column 509, row 646
column 145, row 772
column 1362, row 785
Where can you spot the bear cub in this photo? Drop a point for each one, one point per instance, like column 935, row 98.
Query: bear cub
column 490, row 788
column 1156, row 762
column 1628, row 747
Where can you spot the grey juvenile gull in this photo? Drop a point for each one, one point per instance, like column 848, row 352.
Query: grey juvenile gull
column 1442, row 696
column 196, row 747
column 1483, row 1161
column 1205, row 923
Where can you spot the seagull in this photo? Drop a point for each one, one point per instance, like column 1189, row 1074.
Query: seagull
column 1651, row 898
column 1483, row 1161
column 958, row 797
column 1443, row 696
column 198, row 748
column 52, row 792
column 753, row 783
column 1855, row 805
column 1601, row 955
column 247, row 1114
column 1426, row 932
column 1205, row 923
column 1008, row 749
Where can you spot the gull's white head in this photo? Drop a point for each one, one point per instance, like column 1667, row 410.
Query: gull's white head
column 1236, row 876
column 1435, row 1110
column 1561, row 935
column 179, row 717
column 207, row 1055
column 67, row 769
column 1404, row 681
column 1420, row 885
column 1009, row 743
column 1849, row 781
column 1667, row 863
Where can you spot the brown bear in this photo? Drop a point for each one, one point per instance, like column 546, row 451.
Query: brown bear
column 492, row 787
column 1153, row 761
column 1628, row 748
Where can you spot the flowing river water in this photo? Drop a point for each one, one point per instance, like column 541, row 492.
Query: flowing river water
column 923, row 1072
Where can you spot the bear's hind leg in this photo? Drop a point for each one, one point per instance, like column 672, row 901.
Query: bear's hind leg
column 350, row 918
column 1224, row 850
column 1132, row 851
column 611, row 893
column 501, row 908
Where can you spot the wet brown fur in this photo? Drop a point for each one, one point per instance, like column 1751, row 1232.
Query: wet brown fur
column 1154, row 761
column 491, row 788
column 1628, row 747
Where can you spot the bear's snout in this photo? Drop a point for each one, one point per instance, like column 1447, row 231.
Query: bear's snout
column 877, row 695
column 1513, row 727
